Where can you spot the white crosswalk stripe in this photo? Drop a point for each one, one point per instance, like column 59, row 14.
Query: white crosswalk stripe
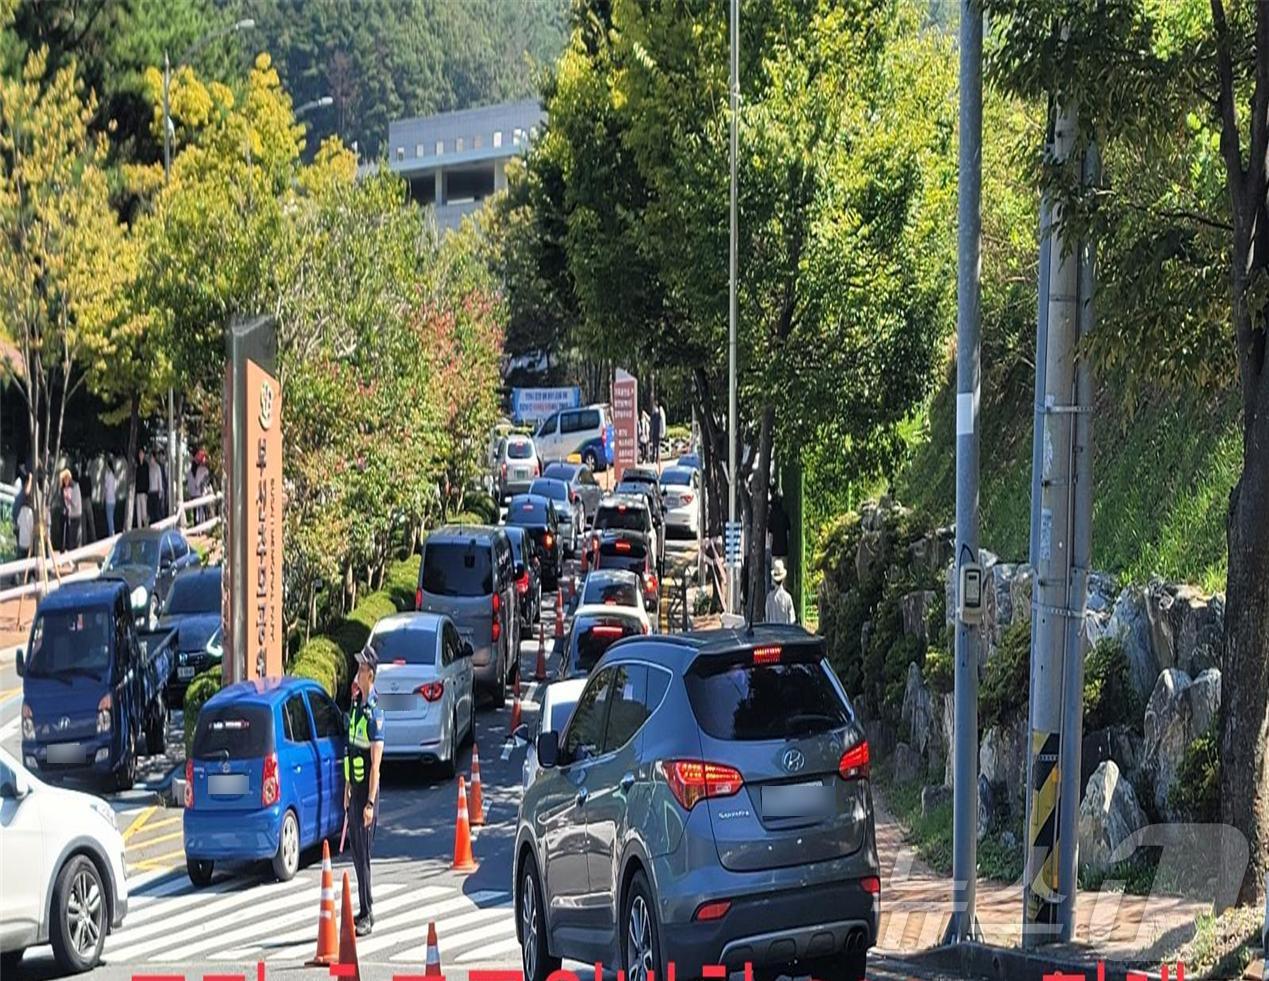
column 242, row 920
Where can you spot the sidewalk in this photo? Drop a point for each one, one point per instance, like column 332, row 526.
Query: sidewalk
column 916, row 906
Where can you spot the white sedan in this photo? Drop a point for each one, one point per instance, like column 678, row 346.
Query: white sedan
column 61, row 866
column 424, row 682
column 680, row 496
column 558, row 701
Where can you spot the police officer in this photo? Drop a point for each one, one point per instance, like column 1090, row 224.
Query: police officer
column 361, row 779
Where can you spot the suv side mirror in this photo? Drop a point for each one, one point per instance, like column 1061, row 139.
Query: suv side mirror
column 548, row 749
column 19, row 663
column 15, row 788
column 468, row 651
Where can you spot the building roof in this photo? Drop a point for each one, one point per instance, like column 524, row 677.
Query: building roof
column 484, row 134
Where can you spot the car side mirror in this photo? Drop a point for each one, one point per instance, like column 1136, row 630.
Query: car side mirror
column 19, row 663
column 548, row 749
column 14, row 789
column 468, row 651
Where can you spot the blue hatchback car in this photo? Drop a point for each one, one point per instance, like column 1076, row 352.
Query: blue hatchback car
column 265, row 779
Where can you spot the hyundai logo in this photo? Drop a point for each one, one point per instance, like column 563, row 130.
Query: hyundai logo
column 63, row 723
column 794, row 760
column 224, row 767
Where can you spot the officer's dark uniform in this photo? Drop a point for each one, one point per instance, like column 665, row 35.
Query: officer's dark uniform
column 365, row 726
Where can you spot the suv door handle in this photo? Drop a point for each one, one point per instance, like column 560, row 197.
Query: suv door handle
column 298, row 768
column 582, row 795
column 627, row 782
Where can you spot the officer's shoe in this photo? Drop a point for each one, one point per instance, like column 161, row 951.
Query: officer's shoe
column 363, row 925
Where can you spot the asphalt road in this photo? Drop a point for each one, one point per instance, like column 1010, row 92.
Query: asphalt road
column 245, row 918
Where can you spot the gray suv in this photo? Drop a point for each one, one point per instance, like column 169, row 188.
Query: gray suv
column 707, row 803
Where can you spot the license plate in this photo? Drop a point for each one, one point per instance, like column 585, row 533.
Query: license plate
column 798, row 800
column 399, row 702
column 185, row 673
column 520, row 473
column 227, row 784
column 65, row 753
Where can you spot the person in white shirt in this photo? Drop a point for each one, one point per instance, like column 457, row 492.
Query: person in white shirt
column 110, row 486
column 779, row 602
column 154, row 473
column 140, row 482
column 26, row 529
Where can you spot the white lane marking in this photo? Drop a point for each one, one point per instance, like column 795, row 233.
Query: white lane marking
column 415, row 923
column 251, row 932
column 167, row 905
column 506, row 923
column 489, row 952
column 125, row 940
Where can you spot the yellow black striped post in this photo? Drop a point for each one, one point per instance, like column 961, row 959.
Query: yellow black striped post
column 1042, row 838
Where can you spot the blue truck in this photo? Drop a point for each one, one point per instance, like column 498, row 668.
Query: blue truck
column 92, row 685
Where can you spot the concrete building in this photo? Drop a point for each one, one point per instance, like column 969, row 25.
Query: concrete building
column 457, row 159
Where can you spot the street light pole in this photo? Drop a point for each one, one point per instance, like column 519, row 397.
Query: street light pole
column 733, row 422
column 319, row 103
column 175, row 485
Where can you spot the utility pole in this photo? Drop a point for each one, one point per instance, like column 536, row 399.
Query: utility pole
column 963, row 926
column 733, row 412
column 1052, row 600
column 1081, row 559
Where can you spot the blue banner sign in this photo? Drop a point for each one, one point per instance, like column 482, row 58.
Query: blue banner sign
column 535, row 404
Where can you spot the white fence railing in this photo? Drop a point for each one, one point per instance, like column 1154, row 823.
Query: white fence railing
column 31, row 569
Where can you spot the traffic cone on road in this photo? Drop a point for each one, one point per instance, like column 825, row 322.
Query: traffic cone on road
column 559, row 614
column 348, row 935
column 433, row 968
column 515, row 710
column 327, row 935
column 463, row 860
column 477, row 811
column 539, row 672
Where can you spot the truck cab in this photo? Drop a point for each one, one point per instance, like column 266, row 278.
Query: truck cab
column 92, row 685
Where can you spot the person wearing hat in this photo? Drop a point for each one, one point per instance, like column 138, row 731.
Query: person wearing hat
column 779, row 602
column 361, row 779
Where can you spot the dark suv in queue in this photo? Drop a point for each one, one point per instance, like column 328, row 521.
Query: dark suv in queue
column 708, row 802
column 468, row 574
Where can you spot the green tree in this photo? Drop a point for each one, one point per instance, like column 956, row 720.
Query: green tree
column 1178, row 97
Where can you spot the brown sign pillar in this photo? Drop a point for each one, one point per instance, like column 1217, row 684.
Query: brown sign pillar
column 252, row 595
column 625, row 423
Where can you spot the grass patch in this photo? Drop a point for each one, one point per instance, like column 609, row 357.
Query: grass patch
column 1222, row 946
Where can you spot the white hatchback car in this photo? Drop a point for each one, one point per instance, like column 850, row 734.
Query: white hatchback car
column 61, row 871
column 425, row 685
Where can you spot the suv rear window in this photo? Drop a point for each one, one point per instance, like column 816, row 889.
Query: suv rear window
column 521, row 449
column 594, row 635
column 615, row 555
column 457, row 569
column 527, row 513
column 624, row 517
column 235, row 732
column 746, row 701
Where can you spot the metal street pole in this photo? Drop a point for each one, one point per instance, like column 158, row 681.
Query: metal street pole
column 319, row 103
column 963, row 926
column 733, row 421
column 1051, row 589
column 175, row 469
column 1081, row 560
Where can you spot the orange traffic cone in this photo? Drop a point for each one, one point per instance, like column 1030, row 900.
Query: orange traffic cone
column 477, row 811
column 327, row 936
column 559, row 614
column 515, row 710
column 433, row 968
column 539, row 672
column 463, row 860
column 348, row 936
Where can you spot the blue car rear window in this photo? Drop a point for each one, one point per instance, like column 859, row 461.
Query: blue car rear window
column 233, row 732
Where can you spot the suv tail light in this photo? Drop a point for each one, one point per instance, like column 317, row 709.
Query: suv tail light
column 431, row 691
column 694, row 780
column 504, row 471
column 418, row 598
column 270, row 790
column 855, row 764
column 189, row 784
column 650, row 585
column 495, row 628
column 548, row 539
column 522, row 584
column 767, row 655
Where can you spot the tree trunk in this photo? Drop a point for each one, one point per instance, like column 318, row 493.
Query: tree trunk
column 758, row 530
column 130, row 462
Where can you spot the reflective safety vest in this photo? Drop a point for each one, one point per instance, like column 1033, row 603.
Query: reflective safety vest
column 357, row 758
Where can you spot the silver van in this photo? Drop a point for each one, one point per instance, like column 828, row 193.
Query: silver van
column 468, row 574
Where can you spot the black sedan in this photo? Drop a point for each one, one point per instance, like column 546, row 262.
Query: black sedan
column 528, row 574
column 537, row 516
column 193, row 609
column 150, row 557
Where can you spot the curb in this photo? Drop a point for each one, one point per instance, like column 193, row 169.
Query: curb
column 978, row 960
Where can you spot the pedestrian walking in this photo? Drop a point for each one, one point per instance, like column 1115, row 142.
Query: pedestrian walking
column 154, row 485
column 779, row 602
column 645, row 433
column 25, row 525
column 110, row 488
column 140, row 486
column 88, row 524
column 361, row 780
column 72, row 510
column 656, row 432
column 202, row 482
